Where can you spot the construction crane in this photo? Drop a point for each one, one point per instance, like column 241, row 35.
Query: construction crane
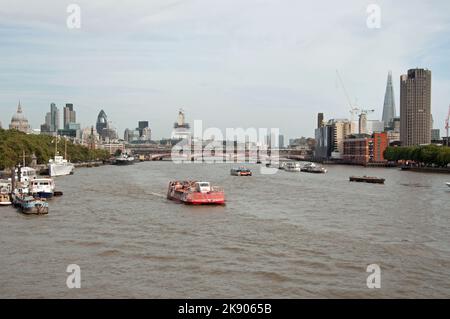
column 353, row 109
column 366, row 111
column 446, row 122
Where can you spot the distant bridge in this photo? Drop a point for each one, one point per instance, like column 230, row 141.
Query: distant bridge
column 154, row 153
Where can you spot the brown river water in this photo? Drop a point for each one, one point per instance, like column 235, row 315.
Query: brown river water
column 288, row 235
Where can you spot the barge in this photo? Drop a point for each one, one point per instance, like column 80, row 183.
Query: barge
column 195, row 193
column 367, row 179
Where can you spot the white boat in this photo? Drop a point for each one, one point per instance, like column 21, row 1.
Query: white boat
column 59, row 166
column 292, row 167
column 313, row 168
column 27, row 174
column 448, row 184
column 42, row 187
column 124, row 159
column 5, row 191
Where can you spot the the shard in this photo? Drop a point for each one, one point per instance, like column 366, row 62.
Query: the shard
column 389, row 103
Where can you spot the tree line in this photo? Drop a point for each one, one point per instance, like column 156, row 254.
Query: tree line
column 427, row 154
column 13, row 144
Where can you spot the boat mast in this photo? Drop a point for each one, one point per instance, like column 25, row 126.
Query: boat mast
column 56, row 144
column 23, row 158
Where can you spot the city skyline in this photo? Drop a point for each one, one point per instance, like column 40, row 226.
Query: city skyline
column 143, row 61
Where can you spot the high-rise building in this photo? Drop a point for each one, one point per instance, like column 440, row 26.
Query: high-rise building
column 102, row 123
column 54, row 118
column 181, row 129
column 281, row 141
column 415, row 107
column 141, row 126
column 389, row 103
column 69, row 115
column 435, row 134
column 319, row 120
column 341, row 129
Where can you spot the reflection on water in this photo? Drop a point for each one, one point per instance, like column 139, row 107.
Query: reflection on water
column 288, row 235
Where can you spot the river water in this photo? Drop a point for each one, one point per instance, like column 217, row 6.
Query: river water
column 288, row 235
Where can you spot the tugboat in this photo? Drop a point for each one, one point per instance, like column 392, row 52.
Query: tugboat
column 313, row 168
column 29, row 205
column 195, row 193
column 367, row 179
column 241, row 171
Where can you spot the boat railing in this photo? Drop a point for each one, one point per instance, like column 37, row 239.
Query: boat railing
column 217, row 189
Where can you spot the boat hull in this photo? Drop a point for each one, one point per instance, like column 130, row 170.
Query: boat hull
column 30, row 206
column 371, row 180
column 213, row 198
column 46, row 195
column 60, row 169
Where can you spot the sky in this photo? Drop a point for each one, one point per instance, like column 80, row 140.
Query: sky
column 230, row 63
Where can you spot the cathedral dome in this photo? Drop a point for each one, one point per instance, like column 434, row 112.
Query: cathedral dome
column 19, row 121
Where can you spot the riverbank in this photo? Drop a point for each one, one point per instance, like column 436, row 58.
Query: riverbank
column 442, row 170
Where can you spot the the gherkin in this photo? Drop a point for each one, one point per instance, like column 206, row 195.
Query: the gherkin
column 389, row 103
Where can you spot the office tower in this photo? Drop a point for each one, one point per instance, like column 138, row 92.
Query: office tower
column 69, row 115
column 319, row 120
column 389, row 103
column 415, row 107
column 141, row 126
column 54, row 117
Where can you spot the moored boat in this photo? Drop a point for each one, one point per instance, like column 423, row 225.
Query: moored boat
column 58, row 166
column 241, row 171
column 292, row 167
column 5, row 199
column 42, row 187
column 29, row 205
column 367, row 179
column 196, row 193
column 124, row 159
column 313, row 168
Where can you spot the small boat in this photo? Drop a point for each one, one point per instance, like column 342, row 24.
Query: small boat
column 42, row 187
column 367, row 179
column 124, row 159
column 196, row 193
column 292, row 167
column 241, row 171
column 5, row 199
column 448, row 184
column 29, row 205
column 313, row 168
column 5, row 190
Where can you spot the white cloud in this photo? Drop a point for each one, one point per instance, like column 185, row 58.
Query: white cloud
column 269, row 60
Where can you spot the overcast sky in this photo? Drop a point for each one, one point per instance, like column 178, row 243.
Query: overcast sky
column 230, row 63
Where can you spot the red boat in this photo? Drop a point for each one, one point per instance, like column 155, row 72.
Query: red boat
column 196, row 193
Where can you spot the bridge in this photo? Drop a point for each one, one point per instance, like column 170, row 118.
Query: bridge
column 153, row 152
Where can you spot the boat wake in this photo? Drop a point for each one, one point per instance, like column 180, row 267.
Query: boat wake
column 157, row 194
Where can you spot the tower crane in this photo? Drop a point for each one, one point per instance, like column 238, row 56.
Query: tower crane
column 353, row 108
